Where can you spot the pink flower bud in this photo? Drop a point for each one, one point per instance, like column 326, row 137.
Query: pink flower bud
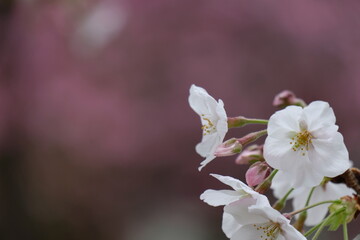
column 228, row 148
column 257, row 173
column 287, row 98
column 251, row 154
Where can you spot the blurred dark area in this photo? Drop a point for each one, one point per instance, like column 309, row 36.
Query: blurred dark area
column 96, row 136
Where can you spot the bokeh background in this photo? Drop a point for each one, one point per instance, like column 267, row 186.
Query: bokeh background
column 96, row 135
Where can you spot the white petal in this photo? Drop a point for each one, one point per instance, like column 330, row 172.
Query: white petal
column 240, row 211
column 220, row 197
column 280, row 237
column 220, row 110
column 281, row 185
column 325, row 132
column 267, row 212
column 278, row 154
column 290, row 233
column 222, row 125
column 307, row 175
column 200, row 101
column 208, row 144
column 286, row 120
column 331, row 191
column 319, row 114
column 229, row 225
column 330, row 157
column 205, row 162
column 234, row 183
column 248, row 232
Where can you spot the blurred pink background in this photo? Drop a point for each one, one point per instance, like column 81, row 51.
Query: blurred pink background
column 97, row 138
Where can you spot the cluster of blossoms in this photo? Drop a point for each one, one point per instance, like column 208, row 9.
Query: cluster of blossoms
column 303, row 158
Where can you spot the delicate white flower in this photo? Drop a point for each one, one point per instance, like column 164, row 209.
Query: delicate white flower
column 224, row 197
column 260, row 222
column 305, row 143
column 325, row 192
column 213, row 120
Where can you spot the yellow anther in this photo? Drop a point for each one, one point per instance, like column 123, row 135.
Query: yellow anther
column 302, row 141
column 270, row 230
column 209, row 127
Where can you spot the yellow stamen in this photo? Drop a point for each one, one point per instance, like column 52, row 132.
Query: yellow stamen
column 209, row 127
column 302, row 141
column 270, row 230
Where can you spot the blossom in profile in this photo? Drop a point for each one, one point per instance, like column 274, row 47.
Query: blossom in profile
column 260, row 221
column 305, row 144
column 213, row 119
column 224, row 197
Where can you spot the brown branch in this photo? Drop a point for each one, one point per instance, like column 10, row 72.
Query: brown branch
column 351, row 178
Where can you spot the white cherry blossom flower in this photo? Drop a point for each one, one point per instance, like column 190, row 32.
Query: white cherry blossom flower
column 325, row 192
column 260, row 222
column 224, row 197
column 213, row 120
column 305, row 143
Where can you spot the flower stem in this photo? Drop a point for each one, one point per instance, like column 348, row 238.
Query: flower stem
column 299, row 224
column 235, row 122
column 265, row 185
column 309, row 197
column 313, row 229
column 280, row 204
column 272, row 175
column 325, row 222
column 257, row 121
column 314, row 205
column 345, row 231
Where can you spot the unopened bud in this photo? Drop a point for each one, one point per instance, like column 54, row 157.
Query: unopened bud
column 263, row 187
column 266, row 184
column 251, row 137
column 299, row 223
column 287, row 98
column 237, row 121
column 257, row 173
column 251, row 154
column 228, row 148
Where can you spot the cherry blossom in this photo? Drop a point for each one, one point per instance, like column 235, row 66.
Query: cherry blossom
column 305, row 143
column 260, row 222
column 323, row 192
column 224, row 197
column 213, row 119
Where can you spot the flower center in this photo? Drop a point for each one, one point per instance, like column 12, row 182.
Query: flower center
column 270, row 230
column 301, row 141
column 208, row 127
